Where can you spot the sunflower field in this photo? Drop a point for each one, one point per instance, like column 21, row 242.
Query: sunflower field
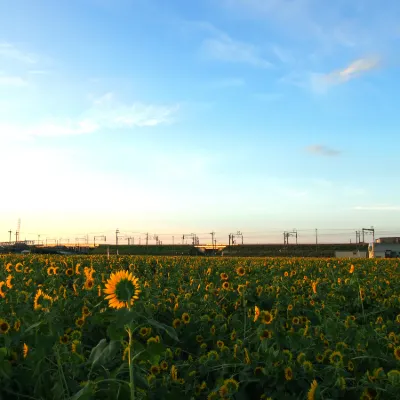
column 130, row 327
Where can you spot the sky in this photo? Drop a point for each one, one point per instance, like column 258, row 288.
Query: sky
column 175, row 117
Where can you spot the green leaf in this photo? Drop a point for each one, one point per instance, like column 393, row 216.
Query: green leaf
column 85, row 393
column 103, row 352
column 33, row 326
column 96, row 351
column 168, row 329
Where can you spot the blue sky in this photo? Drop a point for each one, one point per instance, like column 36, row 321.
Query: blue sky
column 171, row 117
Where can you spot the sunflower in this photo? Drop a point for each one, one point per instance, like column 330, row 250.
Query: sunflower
column 155, row 369
column 174, row 373
column 232, row 385
column 397, row 353
column 64, row 339
column 122, row 289
column 336, row 358
column 223, row 392
column 199, row 339
column 17, row 325
column 18, row 267
column 288, row 374
column 350, row 366
column 290, row 307
column 226, row 285
column 2, row 294
column 295, row 321
column 89, row 284
column 38, row 295
column 4, row 326
column 220, row 344
column 185, row 318
column 176, row 323
column 256, row 313
column 164, row 365
column 144, row 332
column 266, row 334
column 224, row 276
column 76, row 335
column 8, row 281
column 85, row 311
column 69, row 272
column 25, row 350
column 240, row 271
column 79, row 322
column 266, row 317
column 313, row 389
column 155, row 339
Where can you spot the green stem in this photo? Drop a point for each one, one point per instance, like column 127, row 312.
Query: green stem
column 130, row 359
column 61, row 371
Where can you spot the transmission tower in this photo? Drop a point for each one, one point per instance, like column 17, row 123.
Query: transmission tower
column 18, row 230
column 370, row 231
column 232, row 237
column 287, row 235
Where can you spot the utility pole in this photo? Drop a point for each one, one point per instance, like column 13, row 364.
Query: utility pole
column 212, row 237
column 316, row 238
column 10, row 232
column 116, row 240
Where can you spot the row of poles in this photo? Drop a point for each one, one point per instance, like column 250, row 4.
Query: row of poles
column 233, row 238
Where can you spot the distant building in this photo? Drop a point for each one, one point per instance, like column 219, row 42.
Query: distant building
column 351, row 254
column 388, row 240
column 384, row 250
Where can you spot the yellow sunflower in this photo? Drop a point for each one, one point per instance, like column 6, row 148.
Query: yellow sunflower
column 4, row 326
column 122, row 289
column 313, row 389
column 288, row 374
column 25, row 350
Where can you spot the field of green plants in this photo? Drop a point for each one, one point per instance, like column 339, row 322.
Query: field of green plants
column 131, row 327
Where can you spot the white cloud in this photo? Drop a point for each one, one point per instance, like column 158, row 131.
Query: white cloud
column 377, row 208
column 220, row 46
column 224, row 48
column 15, row 81
column 9, row 51
column 105, row 113
column 322, row 150
column 355, row 69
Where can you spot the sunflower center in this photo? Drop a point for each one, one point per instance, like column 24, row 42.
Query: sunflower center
column 125, row 290
column 4, row 327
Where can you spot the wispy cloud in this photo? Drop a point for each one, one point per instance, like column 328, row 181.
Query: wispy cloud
column 221, row 46
column 320, row 83
column 322, row 150
column 9, row 51
column 105, row 113
column 224, row 48
column 377, row 208
column 353, row 70
column 15, row 81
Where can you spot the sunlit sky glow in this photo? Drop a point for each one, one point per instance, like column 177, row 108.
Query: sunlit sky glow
column 216, row 115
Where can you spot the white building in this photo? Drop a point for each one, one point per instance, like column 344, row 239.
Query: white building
column 384, row 250
column 351, row 254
